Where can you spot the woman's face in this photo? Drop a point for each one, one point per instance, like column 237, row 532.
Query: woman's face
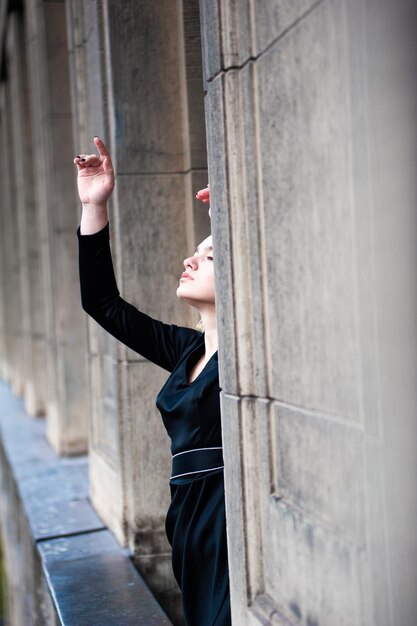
column 197, row 281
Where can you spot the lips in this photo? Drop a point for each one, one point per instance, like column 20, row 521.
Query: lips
column 185, row 275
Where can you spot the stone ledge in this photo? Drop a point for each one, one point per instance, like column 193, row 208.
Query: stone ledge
column 90, row 579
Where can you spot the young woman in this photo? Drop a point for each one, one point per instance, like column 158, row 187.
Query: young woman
column 188, row 402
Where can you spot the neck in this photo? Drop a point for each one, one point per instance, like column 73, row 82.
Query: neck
column 208, row 317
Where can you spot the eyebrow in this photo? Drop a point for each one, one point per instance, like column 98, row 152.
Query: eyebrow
column 206, row 248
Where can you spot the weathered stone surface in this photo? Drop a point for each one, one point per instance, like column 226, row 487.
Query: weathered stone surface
column 148, row 94
column 14, row 340
column 311, row 571
column 149, row 465
column 82, row 566
column 105, row 429
column 308, row 115
column 247, row 233
column 219, row 199
column 333, row 491
column 66, row 394
column 210, row 40
column 28, row 250
column 106, row 493
column 378, row 583
column 239, row 30
column 310, row 215
column 194, row 85
column 273, row 19
column 235, row 517
column 63, row 566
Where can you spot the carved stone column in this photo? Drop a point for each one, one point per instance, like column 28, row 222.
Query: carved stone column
column 312, row 156
column 66, row 402
column 12, row 330
column 32, row 304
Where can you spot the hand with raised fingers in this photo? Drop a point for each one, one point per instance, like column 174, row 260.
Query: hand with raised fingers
column 204, row 196
column 95, row 175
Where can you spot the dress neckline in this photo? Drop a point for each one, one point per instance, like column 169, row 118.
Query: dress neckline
column 186, row 374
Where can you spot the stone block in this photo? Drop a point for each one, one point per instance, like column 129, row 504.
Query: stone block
column 399, row 478
column 194, row 84
column 82, row 567
column 52, row 140
column 235, row 32
column 274, row 19
column 11, row 256
column 28, row 242
column 210, row 40
column 60, row 181
column 106, row 430
column 221, row 228
column 148, row 457
column 314, row 574
column 148, row 95
column 235, row 519
column 319, row 464
column 379, row 584
column 306, row 185
column 238, row 226
column 106, row 493
column 248, row 232
column 56, row 48
column 95, row 80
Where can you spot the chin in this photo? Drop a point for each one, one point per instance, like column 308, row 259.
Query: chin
column 181, row 293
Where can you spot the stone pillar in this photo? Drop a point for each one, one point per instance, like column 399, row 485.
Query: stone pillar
column 151, row 116
column 66, row 367
column 5, row 368
column 32, row 310
column 3, row 275
column 12, row 270
column 312, row 156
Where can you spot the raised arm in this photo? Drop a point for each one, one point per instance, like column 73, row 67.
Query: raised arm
column 159, row 342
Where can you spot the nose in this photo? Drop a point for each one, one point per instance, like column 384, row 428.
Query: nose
column 190, row 262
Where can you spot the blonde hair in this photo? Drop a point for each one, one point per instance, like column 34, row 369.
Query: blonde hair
column 200, row 326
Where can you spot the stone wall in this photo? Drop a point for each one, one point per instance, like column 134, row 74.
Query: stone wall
column 312, row 156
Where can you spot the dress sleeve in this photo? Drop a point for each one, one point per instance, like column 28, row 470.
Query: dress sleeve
column 161, row 343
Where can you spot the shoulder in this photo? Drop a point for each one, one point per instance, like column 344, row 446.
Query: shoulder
column 188, row 335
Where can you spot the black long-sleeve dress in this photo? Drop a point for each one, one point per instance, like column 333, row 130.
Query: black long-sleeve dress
column 195, row 522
